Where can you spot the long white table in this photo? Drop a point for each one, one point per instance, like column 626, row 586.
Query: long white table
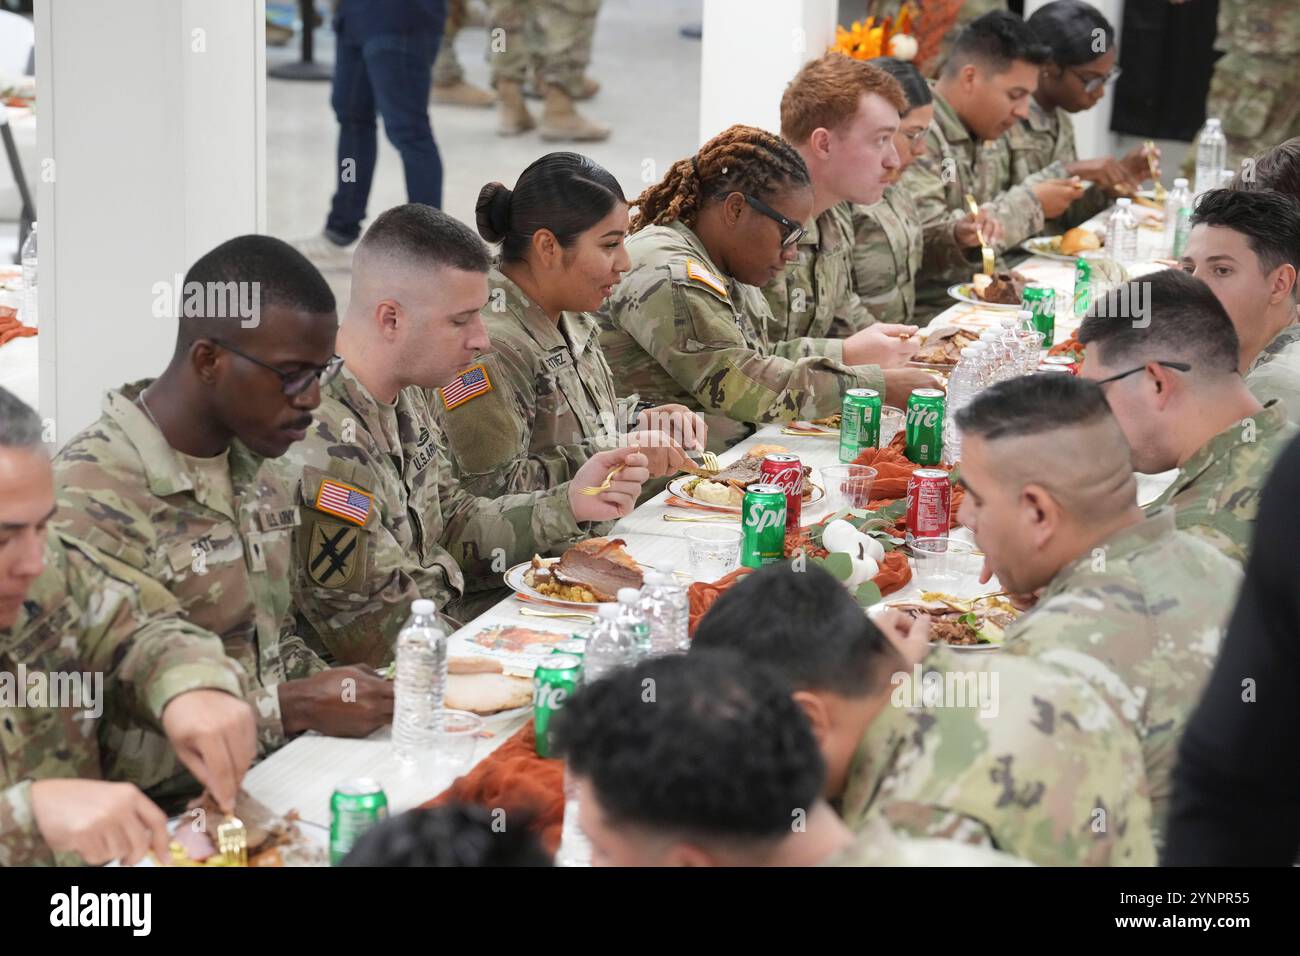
column 302, row 774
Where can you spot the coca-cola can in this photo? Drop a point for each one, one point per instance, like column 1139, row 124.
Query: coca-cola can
column 787, row 472
column 929, row 500
column 1066, row 362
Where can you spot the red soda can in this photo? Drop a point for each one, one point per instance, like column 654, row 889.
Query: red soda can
column 786, row 471
column 1064, row 361
column 929, row 500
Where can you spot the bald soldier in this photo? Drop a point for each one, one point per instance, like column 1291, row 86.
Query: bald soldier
column 173, row 480
column 1132, row 605
column 384, row 520
column 1171, row 380
column 1025, row 758
column 79, row 619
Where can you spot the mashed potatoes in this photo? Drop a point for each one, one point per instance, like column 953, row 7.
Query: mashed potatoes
column 716, row 493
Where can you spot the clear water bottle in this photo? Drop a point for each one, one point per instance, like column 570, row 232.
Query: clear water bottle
column 995, row 355
column 961, row 391
column 1211, row 156
column 1012, row 344
column 631, row 618
column 28, row 259
column 1122, row 233
column 1029, row 355
column 679, row 603
column 609, row 646
column 575, row 848
column 420, row 682
column 659, row 614
column 1178, row 218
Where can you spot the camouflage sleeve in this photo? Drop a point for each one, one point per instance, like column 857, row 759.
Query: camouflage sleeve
column 1280, row 379
column 21, row 843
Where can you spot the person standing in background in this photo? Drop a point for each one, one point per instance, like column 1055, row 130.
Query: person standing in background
column 449, row 86
column 383, row 64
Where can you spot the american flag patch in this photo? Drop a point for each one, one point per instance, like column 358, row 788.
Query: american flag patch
column 470, row 383
column 337, row 498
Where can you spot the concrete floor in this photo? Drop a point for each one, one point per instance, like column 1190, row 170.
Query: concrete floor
column 650, row 94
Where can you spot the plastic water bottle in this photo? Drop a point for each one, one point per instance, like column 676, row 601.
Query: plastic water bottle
column 1178, row 218
column 609, row 646
column 961, row 392
column 28, row 259
column 996, row 356
column 631, row 619
column 1013, row 345
column 1122, row 233
column 420, row 683
column 679, row 603
column 660, row 614
column 1211, row 156
column 575, row 848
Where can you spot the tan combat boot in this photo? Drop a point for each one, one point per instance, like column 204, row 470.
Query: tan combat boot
column 462, row 94
column 561, row 121
column 514, row 115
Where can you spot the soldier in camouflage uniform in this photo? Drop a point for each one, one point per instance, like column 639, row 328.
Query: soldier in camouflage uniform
column 680, row 329
column 68, row 611
column 449, row 85
column 210, row 522
column 1204, row 421
column 979, row 98
column 406, row 529
column 1131, row 605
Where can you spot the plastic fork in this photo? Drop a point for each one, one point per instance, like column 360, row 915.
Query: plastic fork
column 990, row 259
column 232, row 841
column 604, row 486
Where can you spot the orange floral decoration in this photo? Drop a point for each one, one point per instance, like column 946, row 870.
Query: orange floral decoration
column 869, row 38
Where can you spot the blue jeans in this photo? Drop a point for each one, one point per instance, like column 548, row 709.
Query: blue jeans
column 389, row 72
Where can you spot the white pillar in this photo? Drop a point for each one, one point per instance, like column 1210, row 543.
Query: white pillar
column 151, row 128
column 751, row 49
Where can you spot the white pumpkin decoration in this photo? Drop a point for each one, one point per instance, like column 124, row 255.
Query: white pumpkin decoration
column 902, row 46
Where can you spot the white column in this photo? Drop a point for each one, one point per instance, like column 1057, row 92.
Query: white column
column 751, row 50
column 151, row 128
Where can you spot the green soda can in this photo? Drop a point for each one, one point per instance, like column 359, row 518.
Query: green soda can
column 554, row 682
column 762, row 518
column 859, row 422
column 925, row 414
column 1082, row 287
column 1042, row 303
column 355, row 807
column 577, row 646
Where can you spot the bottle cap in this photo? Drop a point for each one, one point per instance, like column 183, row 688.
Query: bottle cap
column 423, row 606
column 628, row 595
column 1180, row 183
column 607, row 612
column 1123, row 201
column 655, row 578
column 1025, row 314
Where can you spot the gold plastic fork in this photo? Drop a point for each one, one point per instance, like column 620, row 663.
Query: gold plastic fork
column 710, row 462
column 563, row 615
column 232, row 841
column 990, row 259
column 1160, row 194
column 604, row 486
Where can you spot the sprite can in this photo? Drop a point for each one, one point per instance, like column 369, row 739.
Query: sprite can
column 925, row 413
column 1042, row 303
column 554, row 682
column 1082, row 287
column 859, row 422
column 762, row 518
column 355, row 807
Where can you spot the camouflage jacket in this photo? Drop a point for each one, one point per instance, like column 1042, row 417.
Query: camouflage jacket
column 675, row 330
column 1275, row 373
column 953, row 166
column 227, row 560
column 550, row 402
column 814, row 296
column 878, row 844
column 1043, row 144
column 887, row 249
column 1259, row 27
column 384, row 521
column 1140, row 618
column 88, row 614
column 1216, row 494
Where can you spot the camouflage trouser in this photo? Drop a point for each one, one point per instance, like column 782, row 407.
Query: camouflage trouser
column 447, row 70
column 551, row 36
column 1258, row 100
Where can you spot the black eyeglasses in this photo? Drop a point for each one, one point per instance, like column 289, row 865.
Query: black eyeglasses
column 1176, row 366
column 294, row 383
column 794, row 231
column 1091, row 84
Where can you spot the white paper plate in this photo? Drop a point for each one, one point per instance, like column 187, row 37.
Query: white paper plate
column 515, row 581
column 963, row 292
column 678, row 487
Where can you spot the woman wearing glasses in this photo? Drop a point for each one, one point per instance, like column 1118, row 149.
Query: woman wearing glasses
column 887, row 240
column 551, row 401
column 686, row 323
column 1075, row 80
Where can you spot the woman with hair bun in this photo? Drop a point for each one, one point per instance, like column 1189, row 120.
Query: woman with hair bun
column 545, row 401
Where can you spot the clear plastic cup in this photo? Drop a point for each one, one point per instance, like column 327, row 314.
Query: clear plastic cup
column 713, row 551
column 455, row 741
column 945, row 564
column 1031, row 347
column 849, row 486
column 891, row 421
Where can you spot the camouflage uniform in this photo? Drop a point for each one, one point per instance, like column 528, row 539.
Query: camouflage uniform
column 814, row 296
column 676, row 330
column 551, row 407
column 1053, row 777
column 1255, row 89
column 887, row 249
column 878, row 844
column 1044, row 144
column 356, row 580
column 939, row 181
column 88, row 613
column 1216, row 493
column 216, row 533
column 1275, row 373
column 1140, row 618
column 553, row 36
column 447, row 70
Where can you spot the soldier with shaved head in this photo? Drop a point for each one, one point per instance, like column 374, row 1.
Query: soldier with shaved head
column 1129, row 603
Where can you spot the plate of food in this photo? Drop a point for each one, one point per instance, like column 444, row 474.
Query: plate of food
column 273, row 840
column 591, row 572
column 1076, row 243
column 965, row 624
column 830, row 426
column 481, row 686
column 1002, row 290
column 726, row 490
column 942, row 347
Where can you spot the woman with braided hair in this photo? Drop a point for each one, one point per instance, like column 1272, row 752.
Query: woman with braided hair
column 686, row 324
